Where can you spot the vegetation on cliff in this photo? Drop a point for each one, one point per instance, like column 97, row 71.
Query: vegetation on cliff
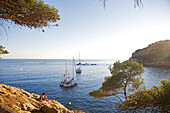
column 156, row 54
column 154, row 100
column 15, row 100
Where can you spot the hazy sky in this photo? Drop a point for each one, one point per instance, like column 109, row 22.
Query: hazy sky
column 111, row 33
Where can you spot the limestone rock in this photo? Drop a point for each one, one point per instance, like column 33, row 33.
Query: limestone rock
column 17, row 108
column 1, row 100
column 12, row 90
column 15, row 100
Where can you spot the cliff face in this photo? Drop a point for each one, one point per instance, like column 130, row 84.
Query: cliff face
column 155, row 55
column 15, row 100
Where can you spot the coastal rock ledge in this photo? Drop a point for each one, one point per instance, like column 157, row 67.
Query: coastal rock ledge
column 15, row 100
column 155, row 55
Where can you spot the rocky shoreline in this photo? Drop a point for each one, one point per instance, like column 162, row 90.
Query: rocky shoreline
column 16, row 100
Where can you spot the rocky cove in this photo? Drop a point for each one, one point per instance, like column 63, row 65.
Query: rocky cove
column 16, row 100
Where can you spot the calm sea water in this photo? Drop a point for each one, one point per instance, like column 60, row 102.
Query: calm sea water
column 37, row 76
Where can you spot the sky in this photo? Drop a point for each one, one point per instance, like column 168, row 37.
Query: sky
column 113, row 32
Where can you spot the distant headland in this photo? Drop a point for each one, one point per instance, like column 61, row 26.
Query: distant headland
column 155, row 55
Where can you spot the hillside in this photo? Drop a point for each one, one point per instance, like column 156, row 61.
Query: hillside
column 15, row 100
column 155, row 55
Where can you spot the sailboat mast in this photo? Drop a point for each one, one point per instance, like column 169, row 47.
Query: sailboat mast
column 79, row 58
column 66, row 70
column 73, row 68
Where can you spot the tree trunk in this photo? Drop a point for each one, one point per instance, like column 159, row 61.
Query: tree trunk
column 125, row 94
column 125, row 97
column 125, row 91
column 122, row 102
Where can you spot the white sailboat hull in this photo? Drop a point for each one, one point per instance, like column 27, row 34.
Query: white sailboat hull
column 69, row 85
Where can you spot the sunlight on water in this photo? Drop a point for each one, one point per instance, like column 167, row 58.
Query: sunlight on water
column 37, row 76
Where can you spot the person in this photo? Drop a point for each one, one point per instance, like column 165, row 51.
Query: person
column 44, row 98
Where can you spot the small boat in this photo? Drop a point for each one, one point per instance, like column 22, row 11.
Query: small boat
column 69, row 83
column 78, row 70
column 85, row 64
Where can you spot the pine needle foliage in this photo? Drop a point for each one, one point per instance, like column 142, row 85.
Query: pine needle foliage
column 27, row 13
column 156, row 99
column 2, row 51
column 125, row 76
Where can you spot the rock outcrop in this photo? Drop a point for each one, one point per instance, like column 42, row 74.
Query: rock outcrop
column 15, row 100
column 155, row 55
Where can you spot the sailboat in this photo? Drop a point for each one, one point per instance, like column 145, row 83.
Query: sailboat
column 70, row 83
column 78, row 70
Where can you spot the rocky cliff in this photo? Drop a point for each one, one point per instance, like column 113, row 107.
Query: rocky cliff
column 15, row 100
column 155, row 55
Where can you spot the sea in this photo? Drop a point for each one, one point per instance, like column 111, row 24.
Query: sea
column 44, row 75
